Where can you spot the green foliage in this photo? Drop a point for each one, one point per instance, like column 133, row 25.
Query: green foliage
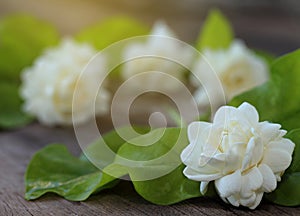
column 216, row 32
column 112, row 30
column 278, row 100
column 54, row 169
column 22, row 39
column 152, row 160
column 168, row 189
column 161, row 163
column 102, row 152
column 155, row 168
column 288, row 190
column 11, row 115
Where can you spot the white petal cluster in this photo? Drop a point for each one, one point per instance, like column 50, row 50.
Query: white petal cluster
column 48, row 86
column 244, row 157
column 237, row 68
column 157, row 53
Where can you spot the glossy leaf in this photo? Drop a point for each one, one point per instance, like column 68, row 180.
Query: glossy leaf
column 168, row 189
column 288, row 190
column 54, row 169
column 294, row 135
column 278, row 100
column 23, row 38
column 102, row 152
column 156, row 169
column 216, row 32
column 11, row 115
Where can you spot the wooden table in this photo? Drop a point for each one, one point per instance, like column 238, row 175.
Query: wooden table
column 273, row 27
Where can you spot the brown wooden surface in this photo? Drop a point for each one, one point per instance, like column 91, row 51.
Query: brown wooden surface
column 270, row 25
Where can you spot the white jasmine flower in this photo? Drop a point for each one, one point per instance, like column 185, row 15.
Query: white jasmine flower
column 159, row 48
column 238, row 69
column 48, row 86
column 244, row 157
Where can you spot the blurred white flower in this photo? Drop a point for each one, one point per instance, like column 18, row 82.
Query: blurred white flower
column 48, row 86
column 244, row 157
column 237, row 68
column 157, row 53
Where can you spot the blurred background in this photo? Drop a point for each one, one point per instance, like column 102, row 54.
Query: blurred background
column 269, row 25
column 272, row 25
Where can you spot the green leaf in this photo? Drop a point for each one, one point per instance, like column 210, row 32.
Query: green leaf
column 278, row 100
column 216, row 32
column 11, row 115
column 288, row 190
column 294, row 135
column 112, row 30
column 22, row 39
column 102, row 152
column 168, row 189
column 54, row 169
column 155, row 167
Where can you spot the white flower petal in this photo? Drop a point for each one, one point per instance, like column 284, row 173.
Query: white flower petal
column 202, row 175
column 278, row 176
column 229, row 184
column 162, row 46
column 48, row 86
column 193, row 151
column 186, row 154
column 217, row 160
column 237, row 67
column 251, row 181
column 233, row 200
column 248, row 201
column 160, row 28
column 249, row 112
column 253, row 154
column 223, row 115
column 283, row 144
column 269, row 179
column 268, row 131
column 258, row 199
column 203, row 187
column 277, row 159
column 243, row 157
column 196, row 129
